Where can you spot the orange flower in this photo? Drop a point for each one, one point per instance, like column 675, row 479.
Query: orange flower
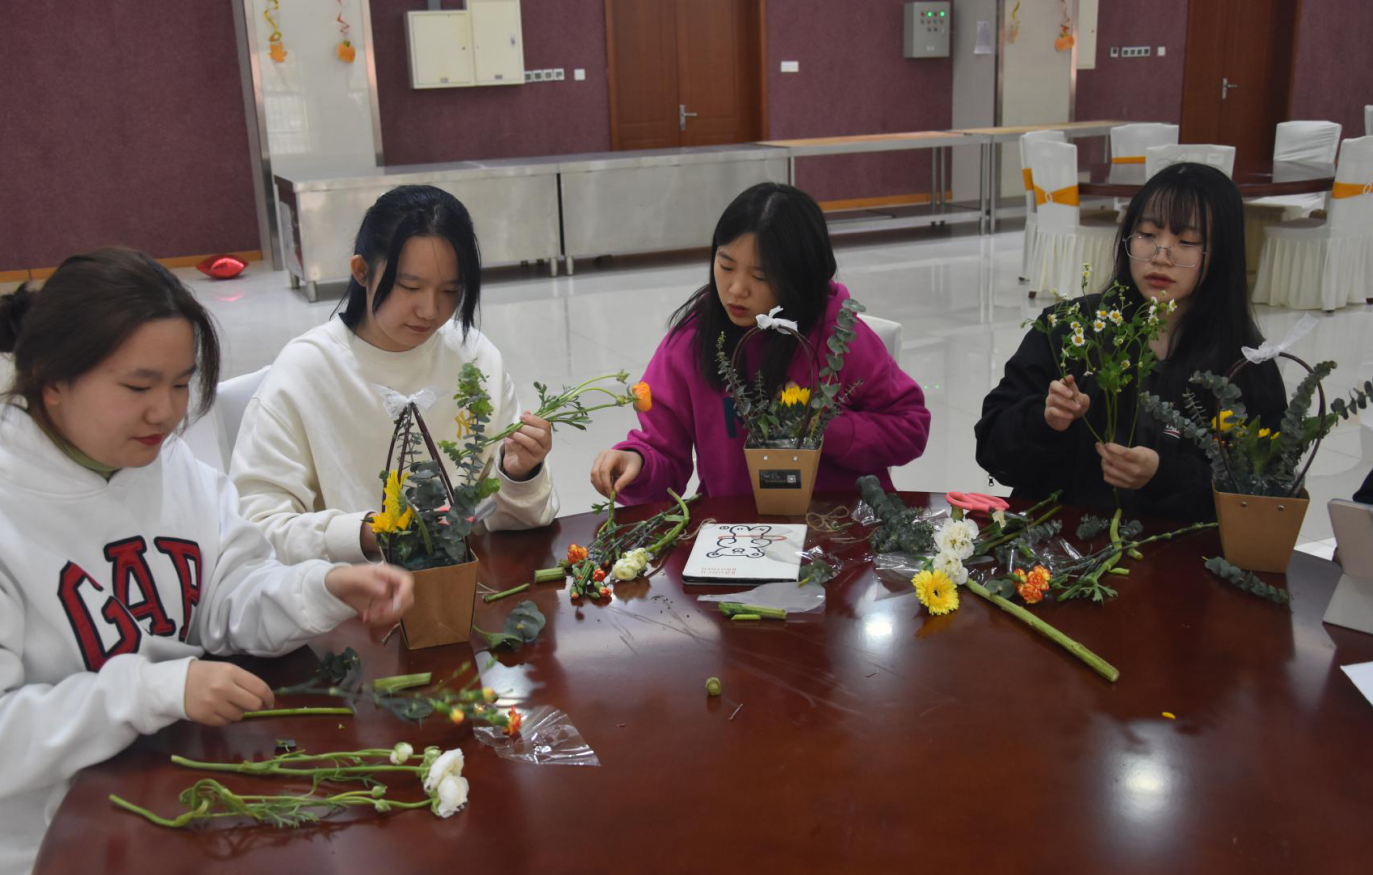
column 1019, row 574
column 1039, row 578
column 1030, row 593
column 346, row 52
column 456, row 715
column 643, row 397
column 605, row 592
column 598, row 575
column 575, row 553
column 516, row 718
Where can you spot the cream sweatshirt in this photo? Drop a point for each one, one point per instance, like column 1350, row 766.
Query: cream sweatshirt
column 315, row 436
column 108, row 591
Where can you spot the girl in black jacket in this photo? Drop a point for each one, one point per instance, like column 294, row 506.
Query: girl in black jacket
column 1182, row 240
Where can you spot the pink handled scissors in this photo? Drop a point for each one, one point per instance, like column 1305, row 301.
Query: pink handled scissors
column 976, row 502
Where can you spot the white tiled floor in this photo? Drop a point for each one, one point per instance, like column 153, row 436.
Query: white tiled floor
column 956, row 295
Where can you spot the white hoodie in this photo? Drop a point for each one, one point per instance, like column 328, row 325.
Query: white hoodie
column 108, row 590
column 314, row 438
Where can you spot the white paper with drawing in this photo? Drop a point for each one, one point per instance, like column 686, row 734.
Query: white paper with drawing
column 744, row 553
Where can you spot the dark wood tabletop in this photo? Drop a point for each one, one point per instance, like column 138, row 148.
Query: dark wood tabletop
column 873, row 737
column 1265, row 178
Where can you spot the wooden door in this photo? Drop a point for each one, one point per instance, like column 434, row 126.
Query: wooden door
column 684, row 72
column 1238, row 74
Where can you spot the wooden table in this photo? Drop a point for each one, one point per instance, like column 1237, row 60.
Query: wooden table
column 873, row 738
column 1266, row 178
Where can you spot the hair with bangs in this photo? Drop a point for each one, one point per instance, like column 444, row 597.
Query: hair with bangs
column 414, row 211
column 793, row 245
column 1218, row 318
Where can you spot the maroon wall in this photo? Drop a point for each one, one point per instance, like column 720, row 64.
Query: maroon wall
column 1333, row 79
column 123, row 124
column 1136, row 89
column 543, row 118
column 128, row 128
column 853, row 80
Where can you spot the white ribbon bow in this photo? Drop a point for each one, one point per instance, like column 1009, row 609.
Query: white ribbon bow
column 395, row 403
column 1269, row 350
column 767, row 320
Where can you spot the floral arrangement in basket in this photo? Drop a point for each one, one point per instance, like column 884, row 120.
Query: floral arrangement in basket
column 795, row 416
column 1246, row 457
column 425, row 519
column 1257, row 472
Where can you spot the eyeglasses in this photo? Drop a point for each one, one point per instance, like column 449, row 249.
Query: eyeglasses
column 1141, row 247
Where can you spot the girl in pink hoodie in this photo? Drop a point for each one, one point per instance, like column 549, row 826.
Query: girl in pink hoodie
column 771, row 247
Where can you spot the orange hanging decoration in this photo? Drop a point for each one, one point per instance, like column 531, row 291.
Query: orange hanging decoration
column 1065, row 39
column 277, row 52
column 346, row 52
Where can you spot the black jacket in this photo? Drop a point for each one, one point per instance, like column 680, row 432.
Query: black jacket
column 1018, row 448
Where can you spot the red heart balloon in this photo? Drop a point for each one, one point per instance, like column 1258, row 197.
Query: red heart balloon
column 222, row 267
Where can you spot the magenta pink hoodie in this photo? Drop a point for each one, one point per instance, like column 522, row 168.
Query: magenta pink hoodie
column 884, row 424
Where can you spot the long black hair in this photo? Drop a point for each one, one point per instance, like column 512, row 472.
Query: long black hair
column 84, row 313
column 1218, row 318
column 793, row 244
column 414, row 211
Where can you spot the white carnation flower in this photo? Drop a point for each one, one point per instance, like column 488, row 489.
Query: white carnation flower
column 452, row 796
column 447, row 765
column 952, row 566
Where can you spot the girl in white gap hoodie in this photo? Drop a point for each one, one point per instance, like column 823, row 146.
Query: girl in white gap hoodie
column 122, row 558
column 316, row 434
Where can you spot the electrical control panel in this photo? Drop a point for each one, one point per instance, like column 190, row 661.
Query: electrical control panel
column 926, row 30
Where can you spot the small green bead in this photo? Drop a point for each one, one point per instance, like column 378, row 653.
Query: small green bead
column 713, row 686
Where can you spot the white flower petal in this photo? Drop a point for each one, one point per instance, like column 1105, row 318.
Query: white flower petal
column 449, row 764
column 452, row 794
column 401, row 753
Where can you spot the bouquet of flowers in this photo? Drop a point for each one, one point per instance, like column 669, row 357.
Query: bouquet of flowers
column 1110, row 345
column 425, row 519
column 795, row 416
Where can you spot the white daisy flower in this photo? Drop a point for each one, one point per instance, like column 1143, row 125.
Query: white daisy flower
column 1099, row 325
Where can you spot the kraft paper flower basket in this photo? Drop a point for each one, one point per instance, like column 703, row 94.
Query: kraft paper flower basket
column 445, row 597
column 1259, row 532
column 783, row 477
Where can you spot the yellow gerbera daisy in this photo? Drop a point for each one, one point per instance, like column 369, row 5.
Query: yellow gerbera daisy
column 794, row 394
column 936, row 592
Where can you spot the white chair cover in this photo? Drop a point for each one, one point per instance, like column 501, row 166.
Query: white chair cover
column 1294, row 141
column 1028, row 254
column 1128, row 142
column 1315, row 264
column 1065, row 241
column 1158, row 157
column 887, row 331
column 1368, row 121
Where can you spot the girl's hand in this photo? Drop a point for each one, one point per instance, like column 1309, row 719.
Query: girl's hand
column 613, row 470
column 1064, row 403
column 381, row 594
column 526, row 449
column 1127, row 467
column 219, row 692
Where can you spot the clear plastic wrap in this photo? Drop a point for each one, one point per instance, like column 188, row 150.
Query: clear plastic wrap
column 546, row 738
column 784, row 595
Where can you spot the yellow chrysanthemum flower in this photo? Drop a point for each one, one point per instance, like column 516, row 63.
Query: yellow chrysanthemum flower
column 794, row 394
column 936, row 592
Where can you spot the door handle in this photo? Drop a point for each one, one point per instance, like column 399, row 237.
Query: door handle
column 1225, row 86
column 682, row 116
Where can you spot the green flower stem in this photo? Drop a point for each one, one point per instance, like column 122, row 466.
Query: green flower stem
column 399, row 682
column 675, row 532
column 550, row 575
column 273, row 767
column 300, row 712
column 175, row 823
column 497, row 596
column 741, row 617
column 1099, row 665
column 739, row 608
column 1009, row 536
